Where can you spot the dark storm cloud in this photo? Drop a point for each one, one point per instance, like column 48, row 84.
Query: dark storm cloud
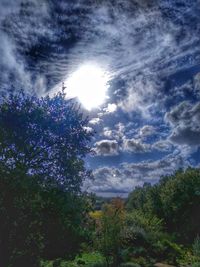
column 185, row 123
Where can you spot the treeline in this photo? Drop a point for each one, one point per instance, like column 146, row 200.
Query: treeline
column 175, row 200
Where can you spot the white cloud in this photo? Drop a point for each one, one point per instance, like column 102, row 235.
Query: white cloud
column 117, row 132
column 19, row 32
column 88, row 129
column 95, row 121
column 196, row 83
column 146, row 130
column 163, row 145
column 110, row 108
column 135, row 146
column 107, row 132
column 106, row 148
column 129, row 175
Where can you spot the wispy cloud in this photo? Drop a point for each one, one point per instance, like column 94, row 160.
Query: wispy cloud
column 128, row 38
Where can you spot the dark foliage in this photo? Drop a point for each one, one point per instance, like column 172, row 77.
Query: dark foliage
column 42, row 210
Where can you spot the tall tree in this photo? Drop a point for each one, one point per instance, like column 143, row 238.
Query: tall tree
column 110, row 231
column 175, row 199
column 43, row 142
column 46, row 137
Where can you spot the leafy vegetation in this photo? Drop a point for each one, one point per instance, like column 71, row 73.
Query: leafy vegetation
column 175, row 200
column 45, row 218
column 42, row 145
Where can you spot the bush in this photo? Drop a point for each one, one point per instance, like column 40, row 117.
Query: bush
column 168, row 250
column 129, row 264
column 192, row 257
column 97, row 264
column 46, row 264
column 196, row 247
column 142, row 233
column 150, row 223
column 93, row 259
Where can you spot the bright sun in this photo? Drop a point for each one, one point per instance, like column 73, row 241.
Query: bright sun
column 89, row 84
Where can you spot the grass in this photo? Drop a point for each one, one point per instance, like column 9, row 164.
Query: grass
column 93, row 259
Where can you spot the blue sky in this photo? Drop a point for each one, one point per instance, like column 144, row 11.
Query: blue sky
column 149, row 125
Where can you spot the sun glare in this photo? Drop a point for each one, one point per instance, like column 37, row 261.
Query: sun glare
column 89, row 84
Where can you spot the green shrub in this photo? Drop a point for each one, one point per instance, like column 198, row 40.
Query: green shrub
column 46, row 264
column 144, row 261
column 93, row 259
column 142, row 230
column 129, row 264
column 68, row 264
column 196, row 247
column 97, row 264
column 148, row 222
column 192, row 257
column 166, row 249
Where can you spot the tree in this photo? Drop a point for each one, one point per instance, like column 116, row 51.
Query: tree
column 138, row 197
column 110, row 231
column 175, row 200
column 180, row 197
column 20, row 223
column 43, row 142
column 44, row 137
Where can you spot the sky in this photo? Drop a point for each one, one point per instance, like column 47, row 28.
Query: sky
column 148, row 124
